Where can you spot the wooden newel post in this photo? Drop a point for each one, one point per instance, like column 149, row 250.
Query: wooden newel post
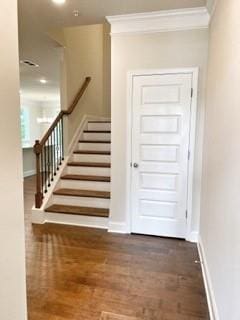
column 39, row 194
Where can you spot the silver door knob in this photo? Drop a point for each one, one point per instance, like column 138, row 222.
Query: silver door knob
column 135, row 165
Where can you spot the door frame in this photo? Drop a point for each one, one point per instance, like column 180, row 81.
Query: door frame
column 130, row 77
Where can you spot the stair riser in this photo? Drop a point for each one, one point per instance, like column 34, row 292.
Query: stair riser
column 90, row 171
column 76, row 220
column 97, row 136
column 84, row 185
column 91, row 158
column 99, row 126
column 81, row 201
column 94, row 146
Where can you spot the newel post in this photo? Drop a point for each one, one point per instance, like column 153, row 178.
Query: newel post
column 39, row 195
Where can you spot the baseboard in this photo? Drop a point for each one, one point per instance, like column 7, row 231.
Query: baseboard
column 193, row 237
column 212, row 306
column 29, row 173
column 117, row 227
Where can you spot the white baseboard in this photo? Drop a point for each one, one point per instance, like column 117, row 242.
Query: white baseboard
column 193, row 237
column 29, row 173
column 118, row 227
column 212, row 306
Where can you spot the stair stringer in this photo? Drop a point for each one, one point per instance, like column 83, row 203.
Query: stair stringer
column 40, row 216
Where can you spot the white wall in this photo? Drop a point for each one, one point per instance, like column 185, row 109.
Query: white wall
column 220, row 212
column 87, row 52
column 12, row 257
column 84, row 56
column 149, row 51
column 36, row 109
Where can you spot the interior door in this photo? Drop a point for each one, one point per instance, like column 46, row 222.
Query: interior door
column 161, row 111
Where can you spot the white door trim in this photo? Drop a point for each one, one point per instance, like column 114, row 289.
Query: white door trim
column 130, row 77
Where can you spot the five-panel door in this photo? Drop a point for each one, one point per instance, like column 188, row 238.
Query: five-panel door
column 161, row 111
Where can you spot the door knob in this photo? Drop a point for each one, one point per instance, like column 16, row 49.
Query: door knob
column 135, row 165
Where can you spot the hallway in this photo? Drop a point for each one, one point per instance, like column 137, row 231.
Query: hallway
column 77, row 273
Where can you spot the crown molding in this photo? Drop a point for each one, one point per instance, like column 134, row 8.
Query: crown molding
column 160, row 21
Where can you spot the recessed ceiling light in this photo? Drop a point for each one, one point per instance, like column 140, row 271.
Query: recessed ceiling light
column 59, row 1
column 43, row 81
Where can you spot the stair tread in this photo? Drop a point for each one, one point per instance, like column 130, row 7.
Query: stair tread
column 76, row 210
column 90, row 164
column 94, row 141
column 85, row 177
column 82, row 193
column 97, row 131
column 92, row 152
column 99, row 121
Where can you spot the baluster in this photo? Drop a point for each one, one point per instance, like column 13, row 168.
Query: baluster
column 60, row 149
column 54, row 152
column 38, row 195
column 45, row 169
column 57, row 146
column 48, row 162
column 42, row 172
column 62, row 139
column 51, row 152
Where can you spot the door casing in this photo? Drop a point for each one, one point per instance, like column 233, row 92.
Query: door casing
column 190, row 236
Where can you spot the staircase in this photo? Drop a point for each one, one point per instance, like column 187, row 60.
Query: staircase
column 83, row 189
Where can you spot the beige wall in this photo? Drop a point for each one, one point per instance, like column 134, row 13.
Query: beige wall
column 86, row 52
column 149, row 51
column 220, row 212
column 12, row 257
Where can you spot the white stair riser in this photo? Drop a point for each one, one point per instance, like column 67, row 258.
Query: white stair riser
column 76, row 220
column 91, row 171
column 91, row 158
column 99, row 126
column 97, row 136
column 94, row 146
column 84, row 185
column 81, row 201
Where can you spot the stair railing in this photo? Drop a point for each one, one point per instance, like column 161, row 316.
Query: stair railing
column 50, row 150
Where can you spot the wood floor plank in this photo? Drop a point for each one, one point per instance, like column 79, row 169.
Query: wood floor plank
column 78, row 273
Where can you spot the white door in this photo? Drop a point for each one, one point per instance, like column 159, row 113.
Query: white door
column 161, row 111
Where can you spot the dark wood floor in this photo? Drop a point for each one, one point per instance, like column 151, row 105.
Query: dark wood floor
column 77, row 273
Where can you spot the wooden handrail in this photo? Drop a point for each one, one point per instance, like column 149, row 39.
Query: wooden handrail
column 50, row 150
column 78, row 96
column 62, row 113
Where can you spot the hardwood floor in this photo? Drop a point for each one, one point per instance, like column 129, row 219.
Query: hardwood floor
column 80, row 274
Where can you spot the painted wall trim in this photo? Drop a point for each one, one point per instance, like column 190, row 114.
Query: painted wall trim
column 29, row 173
column 160, row 21
column 212, row 305
column 118, row 227
column 191, row 235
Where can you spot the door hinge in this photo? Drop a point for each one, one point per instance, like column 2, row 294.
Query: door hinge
column 189, row 154
column 186, row 213
column 191, row 92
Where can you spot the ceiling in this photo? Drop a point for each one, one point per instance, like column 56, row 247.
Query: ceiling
column 36, row 17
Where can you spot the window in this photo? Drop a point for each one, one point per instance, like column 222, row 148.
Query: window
column 25, row 126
